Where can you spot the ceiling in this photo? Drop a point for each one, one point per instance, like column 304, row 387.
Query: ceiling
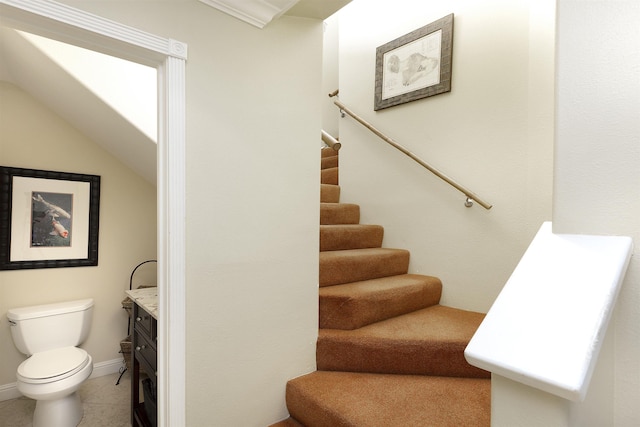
column 24, row 65
column 260, row 12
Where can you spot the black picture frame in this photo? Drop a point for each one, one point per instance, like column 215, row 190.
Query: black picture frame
column 415, row 66
column 34, row 228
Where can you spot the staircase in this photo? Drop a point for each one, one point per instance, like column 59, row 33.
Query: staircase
column 388, row 354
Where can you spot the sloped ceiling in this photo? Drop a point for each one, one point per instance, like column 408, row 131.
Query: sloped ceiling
column 28, row 68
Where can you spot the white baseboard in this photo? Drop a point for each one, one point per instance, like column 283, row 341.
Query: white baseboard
column 108, row 367
column 100, row 369
column 9, row 391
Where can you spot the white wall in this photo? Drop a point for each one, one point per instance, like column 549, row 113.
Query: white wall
column 330, row 67
column 252, row 267
column 253, row 124
column 597, row 172
column 493, row 132
column 35, row 137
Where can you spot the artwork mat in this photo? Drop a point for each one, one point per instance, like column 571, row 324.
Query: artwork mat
column 392, row 88
column 23, row 189
column 443, row 27
column 16, row 252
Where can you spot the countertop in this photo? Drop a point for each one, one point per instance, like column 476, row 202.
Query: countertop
column 146, row 298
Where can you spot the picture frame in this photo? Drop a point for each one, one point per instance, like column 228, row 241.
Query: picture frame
column 48, row 219
column 415, row 66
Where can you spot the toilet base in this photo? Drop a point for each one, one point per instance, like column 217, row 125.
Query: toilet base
column 64, row 412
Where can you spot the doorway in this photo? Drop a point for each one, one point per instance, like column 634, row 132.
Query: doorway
column 73, row 26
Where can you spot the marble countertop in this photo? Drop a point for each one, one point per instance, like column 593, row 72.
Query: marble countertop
column 147, row 298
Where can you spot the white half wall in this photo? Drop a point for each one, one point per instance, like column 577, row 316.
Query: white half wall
column 597, row 170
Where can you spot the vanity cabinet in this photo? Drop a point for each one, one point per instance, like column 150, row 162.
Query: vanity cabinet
column 144, row 360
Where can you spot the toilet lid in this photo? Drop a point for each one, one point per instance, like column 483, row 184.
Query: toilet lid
column 53, row 363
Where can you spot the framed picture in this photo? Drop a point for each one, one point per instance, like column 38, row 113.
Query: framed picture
column 415, row 66
column 48, row 219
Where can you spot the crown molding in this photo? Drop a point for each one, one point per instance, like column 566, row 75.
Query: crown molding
column 255, row 12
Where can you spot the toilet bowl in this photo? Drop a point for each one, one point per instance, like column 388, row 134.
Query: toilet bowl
column 52, row 379
column 55, row 368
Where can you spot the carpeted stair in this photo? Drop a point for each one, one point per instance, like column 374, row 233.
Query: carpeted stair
column 388, row 354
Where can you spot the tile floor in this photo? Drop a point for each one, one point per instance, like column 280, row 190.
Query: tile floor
column 105, row 404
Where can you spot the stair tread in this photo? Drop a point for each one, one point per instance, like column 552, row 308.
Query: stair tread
column 352, row 253
column 344, row 266
column 336, row 205
column 357, row 304
column 439, row 322
column 350, row 236
column 346, row 399
column 430, row 341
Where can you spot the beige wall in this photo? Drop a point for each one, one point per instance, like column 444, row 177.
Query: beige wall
column 493, row 133
column 330, row 66
column 31, row 136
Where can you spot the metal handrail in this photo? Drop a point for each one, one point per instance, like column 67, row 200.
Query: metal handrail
column 471, row 196
column 330, row 140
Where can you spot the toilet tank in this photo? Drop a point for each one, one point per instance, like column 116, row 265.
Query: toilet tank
column 46, row 327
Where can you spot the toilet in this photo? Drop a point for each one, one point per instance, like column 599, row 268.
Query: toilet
column 55, row 368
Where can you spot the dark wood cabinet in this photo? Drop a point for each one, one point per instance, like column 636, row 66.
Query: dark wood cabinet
column 144, row 360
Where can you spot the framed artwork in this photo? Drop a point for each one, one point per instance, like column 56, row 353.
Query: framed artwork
column 48, row 219
column 415, row 66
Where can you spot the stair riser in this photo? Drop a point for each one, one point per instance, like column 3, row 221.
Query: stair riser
column 329, row 176
column 338, row 267
column 328, row 152
column 343, row 399
column 329, row 193
column 329, row 162
column 418, row 358
column 335, row 238
column 358, row 309
column 339, row 213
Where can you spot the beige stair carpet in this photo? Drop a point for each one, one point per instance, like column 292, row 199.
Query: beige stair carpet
column 388, row 353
